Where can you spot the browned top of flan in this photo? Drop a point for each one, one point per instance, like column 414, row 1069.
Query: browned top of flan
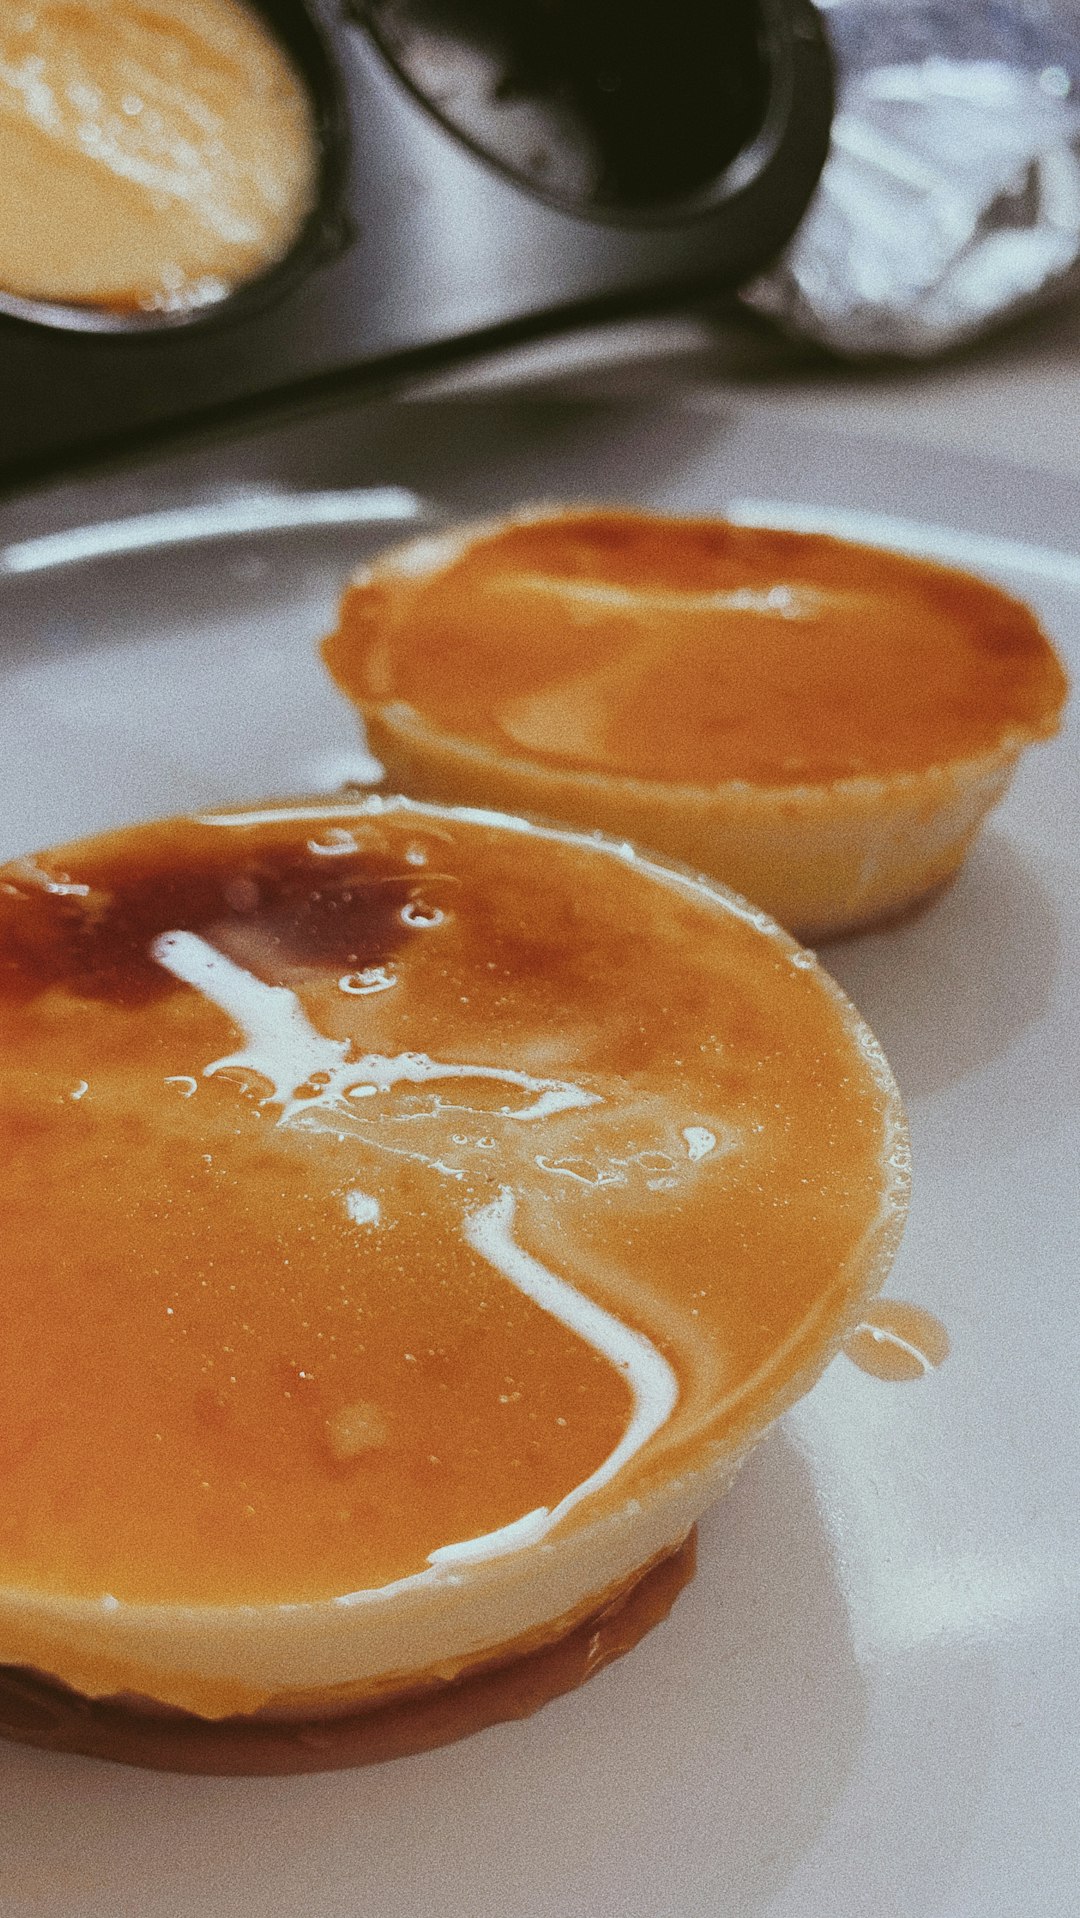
column 256, row 1347
column 695, row 651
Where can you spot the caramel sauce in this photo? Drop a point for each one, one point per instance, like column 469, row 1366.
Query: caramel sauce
column 170, row 141
column 273, row 1340
column 35, row 1712
column 693, row 652
column 897, row 1342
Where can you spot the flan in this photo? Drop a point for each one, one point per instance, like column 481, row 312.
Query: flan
column 820, row 725
column 156, row 154
column 412, row 1216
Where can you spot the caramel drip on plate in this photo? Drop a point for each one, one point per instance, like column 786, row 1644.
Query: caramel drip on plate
column 897, row 1342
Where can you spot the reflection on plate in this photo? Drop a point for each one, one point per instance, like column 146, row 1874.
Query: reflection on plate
column 867, row 1699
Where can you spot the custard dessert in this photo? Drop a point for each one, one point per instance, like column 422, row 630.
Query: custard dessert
column 155, row 155
column 412, row 1216
column 820, row 725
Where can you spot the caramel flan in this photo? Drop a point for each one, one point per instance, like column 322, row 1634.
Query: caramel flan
column 820, row 725
column 412, row 1216
column 156, row 154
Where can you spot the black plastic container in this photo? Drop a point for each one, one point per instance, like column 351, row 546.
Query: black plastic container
column 678, row 143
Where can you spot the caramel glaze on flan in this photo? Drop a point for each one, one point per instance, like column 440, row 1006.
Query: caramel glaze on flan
column 821, row 725
column 411, row 1217
column 155, row 154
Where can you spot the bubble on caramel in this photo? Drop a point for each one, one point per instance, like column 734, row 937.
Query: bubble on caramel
column 416, row 912
column 335, row 842
column 368, row 979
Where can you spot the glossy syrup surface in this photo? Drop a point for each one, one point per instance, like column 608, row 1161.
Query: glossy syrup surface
column 171, row 141
column 693, row 651
column 375, row 1182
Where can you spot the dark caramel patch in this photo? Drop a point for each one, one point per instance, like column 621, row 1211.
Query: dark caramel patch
column 89, row 926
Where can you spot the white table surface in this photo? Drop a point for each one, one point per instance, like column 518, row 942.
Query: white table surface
column 906, row 1741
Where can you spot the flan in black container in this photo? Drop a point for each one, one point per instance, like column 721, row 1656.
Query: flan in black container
column 437, row 227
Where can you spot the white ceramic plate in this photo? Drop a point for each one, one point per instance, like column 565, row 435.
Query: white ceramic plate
column 868, row 1700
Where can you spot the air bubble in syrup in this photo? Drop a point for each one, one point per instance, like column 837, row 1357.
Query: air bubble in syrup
column 418, row 914
column 371, row 979
column 335, row 842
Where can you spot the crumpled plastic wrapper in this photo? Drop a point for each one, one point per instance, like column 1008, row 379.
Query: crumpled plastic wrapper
column 950, row 198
